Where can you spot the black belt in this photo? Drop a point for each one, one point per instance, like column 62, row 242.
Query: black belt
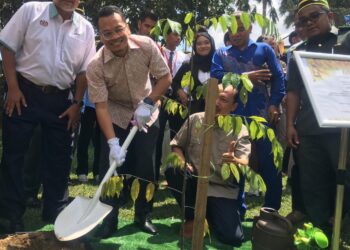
column 48, row 89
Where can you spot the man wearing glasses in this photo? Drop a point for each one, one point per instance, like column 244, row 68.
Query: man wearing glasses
column 317, row 149
column 119, row 85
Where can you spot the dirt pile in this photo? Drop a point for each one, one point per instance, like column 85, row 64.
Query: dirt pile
column 38, row 241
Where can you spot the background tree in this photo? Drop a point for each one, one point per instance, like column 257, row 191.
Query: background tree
column 7, row 9
column 172, row 9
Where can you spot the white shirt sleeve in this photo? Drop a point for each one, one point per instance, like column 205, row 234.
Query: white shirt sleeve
column 90, row 49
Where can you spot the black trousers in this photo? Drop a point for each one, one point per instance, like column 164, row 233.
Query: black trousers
column 89, row 131
column 139, row 162
column 223, row 214
column 33, row 165
column 318, row 157
column 43, row 109
column 162, row 118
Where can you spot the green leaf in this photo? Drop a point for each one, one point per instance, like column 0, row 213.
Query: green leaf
column 262, row 185
column 174, row 160
column 156, row 30
column 188, row 18
column 223, row 24
column 183, row 111
column 258, row 118
column 206, row 22
column 321, row 240
column 260, row 20
column 199, row 92
column 254, row 182
column 198, row 125
column 214, row 21
column 189, row 36
column 271, row 134
column 225, row 171
column 149, row 191
column 119, row 185
column 206, row 229
column 226, row 80
column 235, row 172
column 234, row 25
column 185, row 81
column 235, row 80
column 227, row 123
column 175, row 26
column 135, row 189
column 173, row 108
column 253, row 130
column 238, row 125
column 247, row 83
column 165, row 30
column 245, row 18
column 261, row 131
column 220, row 121
column 243, row 96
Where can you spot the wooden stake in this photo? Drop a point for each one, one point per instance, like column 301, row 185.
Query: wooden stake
column 204, row 170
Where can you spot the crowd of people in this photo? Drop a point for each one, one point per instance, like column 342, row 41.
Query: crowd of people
column 54, row 74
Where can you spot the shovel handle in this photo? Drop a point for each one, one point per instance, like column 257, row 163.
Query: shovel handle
column 114, row 164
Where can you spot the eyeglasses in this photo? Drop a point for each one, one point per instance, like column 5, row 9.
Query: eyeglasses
column 313, row 17
column 108, row 35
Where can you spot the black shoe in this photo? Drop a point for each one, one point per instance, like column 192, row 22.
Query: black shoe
column 107, row 229
column 146, row 225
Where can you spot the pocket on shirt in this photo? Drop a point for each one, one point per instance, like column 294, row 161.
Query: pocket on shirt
column 73, row 52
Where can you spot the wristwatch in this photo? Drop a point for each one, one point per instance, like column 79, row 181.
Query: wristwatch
column 148, row 101
column 80, row 103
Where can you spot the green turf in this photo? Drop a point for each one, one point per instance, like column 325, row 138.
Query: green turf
column 129, row 236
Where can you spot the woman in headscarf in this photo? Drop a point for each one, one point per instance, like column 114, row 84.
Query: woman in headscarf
column 204, row 48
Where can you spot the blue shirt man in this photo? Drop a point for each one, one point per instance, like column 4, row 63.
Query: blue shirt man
column 259, row 62
column 250, row 60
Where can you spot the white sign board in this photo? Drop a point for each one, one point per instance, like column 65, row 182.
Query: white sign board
column 327, row 81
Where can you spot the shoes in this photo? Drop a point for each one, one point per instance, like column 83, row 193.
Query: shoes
column 146, row 225
column 296, row 217
column 82, row 178
column 107, row 229
column 33, row 202
column 187, row 229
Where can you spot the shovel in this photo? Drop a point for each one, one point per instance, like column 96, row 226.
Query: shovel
column 83, row 214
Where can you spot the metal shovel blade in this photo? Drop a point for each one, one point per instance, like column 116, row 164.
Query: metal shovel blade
column 72, row 222
column 83, row 214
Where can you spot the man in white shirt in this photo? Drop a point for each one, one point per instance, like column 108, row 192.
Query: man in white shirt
column 174, row 59
column 46, row 47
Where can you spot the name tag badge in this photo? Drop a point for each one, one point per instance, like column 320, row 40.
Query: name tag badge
column 44, row 23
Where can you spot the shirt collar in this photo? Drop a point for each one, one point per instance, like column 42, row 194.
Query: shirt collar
column 167, row 51
column 53, row 13
column 108, row 55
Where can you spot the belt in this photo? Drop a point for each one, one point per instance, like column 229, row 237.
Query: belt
column 48, row 89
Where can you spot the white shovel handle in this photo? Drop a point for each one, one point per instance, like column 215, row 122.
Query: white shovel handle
column 114, row 164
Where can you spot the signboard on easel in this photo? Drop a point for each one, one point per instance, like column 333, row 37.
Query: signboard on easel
column 327, row 81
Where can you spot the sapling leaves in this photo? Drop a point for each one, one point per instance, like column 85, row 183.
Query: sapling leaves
column 135, row 189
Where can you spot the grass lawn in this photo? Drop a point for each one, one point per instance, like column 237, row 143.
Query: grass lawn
column 166, row 216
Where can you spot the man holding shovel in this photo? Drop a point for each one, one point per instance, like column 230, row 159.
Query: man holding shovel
column 119, row 85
